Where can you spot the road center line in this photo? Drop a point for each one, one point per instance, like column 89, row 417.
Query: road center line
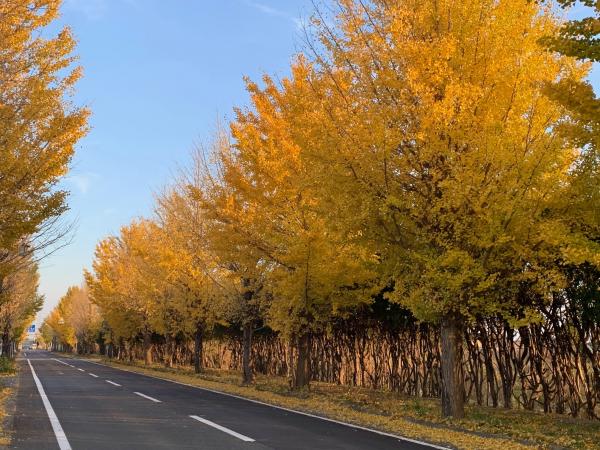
column 62, row 362
column 148, row 397
column 113, row 383
column 61, row 437
column 93, row 375
column 223, row 429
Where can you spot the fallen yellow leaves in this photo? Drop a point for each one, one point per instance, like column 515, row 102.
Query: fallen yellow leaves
column 5, row 392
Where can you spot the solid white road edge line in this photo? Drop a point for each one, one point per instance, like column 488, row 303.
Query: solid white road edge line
column 61, row 437
column 148, row 397
column 93, row 375
column 282, row 408
column 223, row 429
column 113, row 383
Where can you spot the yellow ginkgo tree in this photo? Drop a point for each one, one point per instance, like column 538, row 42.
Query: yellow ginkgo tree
column 39, row 125
column 121, row 286
column 437, row 149
column 268, row 202
column 191, row 271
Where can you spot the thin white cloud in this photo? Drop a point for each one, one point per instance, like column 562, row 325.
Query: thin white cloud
column 267, row 9
column 91, row 9
column 82, row 181
column 274, row 12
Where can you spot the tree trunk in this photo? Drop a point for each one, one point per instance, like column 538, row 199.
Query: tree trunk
column 247, row 354
column 302, row 372
column 168, row 353
column 147, row 348
column 6, row 345
column 452, row 376
column 198, row 338
column 289, row 359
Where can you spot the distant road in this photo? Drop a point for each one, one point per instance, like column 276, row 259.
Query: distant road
column 70, row 403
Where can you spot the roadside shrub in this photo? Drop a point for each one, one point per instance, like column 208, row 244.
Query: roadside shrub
column 7, row 365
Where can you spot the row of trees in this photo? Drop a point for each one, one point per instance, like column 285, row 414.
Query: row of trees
column 432, row 154
column 39, row 128
column 19, row 302
column 74, row 324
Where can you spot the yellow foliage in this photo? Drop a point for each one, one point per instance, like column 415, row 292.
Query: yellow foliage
column 38, row 124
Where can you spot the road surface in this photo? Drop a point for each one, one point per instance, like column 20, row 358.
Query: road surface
column 65, row 403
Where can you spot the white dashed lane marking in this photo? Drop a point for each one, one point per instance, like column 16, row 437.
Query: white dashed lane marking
column 148, row 397
column 223, row 429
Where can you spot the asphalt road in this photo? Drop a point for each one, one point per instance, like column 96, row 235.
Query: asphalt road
column 65, row 403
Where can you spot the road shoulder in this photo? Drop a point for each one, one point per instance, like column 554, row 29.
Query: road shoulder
column 31, row 427
column 9, row 386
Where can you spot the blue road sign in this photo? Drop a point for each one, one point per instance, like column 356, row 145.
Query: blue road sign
column 31, row 328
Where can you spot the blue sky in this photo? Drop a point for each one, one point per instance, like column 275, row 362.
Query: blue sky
column 158, row 76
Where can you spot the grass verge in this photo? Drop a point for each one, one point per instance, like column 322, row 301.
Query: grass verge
column 7, row 378
column 416, row 418
column 7, row 366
